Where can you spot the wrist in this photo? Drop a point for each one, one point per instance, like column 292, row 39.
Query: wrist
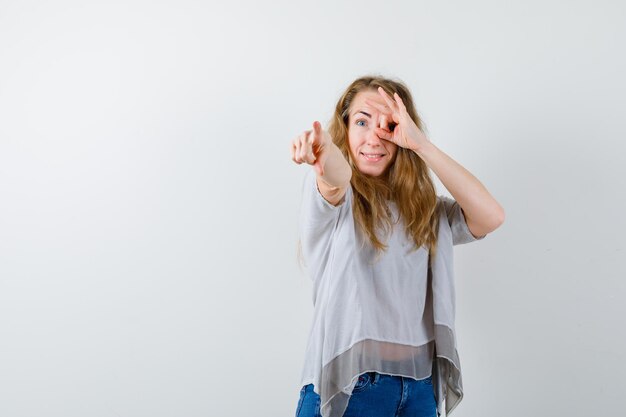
column 337, row 171
column 423, row 151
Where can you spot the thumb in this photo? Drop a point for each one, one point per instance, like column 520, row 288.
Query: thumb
column 384, row 133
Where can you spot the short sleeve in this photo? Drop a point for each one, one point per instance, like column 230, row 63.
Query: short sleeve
column 456, row 218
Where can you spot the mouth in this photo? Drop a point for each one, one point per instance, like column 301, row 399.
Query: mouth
column 373, row 157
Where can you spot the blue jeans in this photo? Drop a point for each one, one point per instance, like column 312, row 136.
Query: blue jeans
column 379, row 395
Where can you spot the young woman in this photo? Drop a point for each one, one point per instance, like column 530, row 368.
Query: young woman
column 377, row 241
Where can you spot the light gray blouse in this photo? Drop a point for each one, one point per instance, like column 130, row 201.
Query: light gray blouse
column 393, row 315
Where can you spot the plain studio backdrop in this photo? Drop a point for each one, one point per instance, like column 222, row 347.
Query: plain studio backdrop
column 149, row 204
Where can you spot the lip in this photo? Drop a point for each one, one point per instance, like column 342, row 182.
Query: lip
column 374, row 159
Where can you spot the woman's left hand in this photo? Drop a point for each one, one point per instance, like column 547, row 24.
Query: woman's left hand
column 405, row 134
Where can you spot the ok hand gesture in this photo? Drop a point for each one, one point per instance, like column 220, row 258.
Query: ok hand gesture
column 405, row 134
column 312, row 147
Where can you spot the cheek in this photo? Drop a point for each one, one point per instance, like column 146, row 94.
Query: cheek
column 353, row 141
column 393, row 149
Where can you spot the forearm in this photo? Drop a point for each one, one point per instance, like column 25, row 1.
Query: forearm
column 477, row 203
column 337, row 171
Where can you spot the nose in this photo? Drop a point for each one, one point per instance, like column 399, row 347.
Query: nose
column 373, row 139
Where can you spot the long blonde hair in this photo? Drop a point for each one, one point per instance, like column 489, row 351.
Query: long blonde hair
column 407, row 182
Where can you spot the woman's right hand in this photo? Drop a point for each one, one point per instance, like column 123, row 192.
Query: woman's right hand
column 312, row 147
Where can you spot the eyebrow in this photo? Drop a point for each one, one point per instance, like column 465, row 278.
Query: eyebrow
column 361, row 111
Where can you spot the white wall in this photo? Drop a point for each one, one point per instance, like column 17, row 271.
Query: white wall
column 148, row 203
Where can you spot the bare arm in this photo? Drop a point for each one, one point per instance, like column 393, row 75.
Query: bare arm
column 483, row 214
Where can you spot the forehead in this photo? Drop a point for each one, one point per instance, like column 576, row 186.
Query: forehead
column 358, row 102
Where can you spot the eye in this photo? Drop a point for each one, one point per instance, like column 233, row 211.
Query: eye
column 359, row 121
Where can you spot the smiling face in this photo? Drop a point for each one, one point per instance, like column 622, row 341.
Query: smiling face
column 372, row 155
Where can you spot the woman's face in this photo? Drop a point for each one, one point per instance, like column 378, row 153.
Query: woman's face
column 371, row 154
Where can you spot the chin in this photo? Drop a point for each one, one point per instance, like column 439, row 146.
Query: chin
column 372, row 173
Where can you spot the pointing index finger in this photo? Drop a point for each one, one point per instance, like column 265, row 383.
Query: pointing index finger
column 317, row 130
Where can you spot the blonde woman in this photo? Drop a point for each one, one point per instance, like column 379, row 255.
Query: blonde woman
column 377, row 241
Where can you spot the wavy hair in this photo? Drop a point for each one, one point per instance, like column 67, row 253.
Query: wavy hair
column 406, row 182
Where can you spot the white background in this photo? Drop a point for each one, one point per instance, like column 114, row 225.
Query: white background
column 148, row 202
